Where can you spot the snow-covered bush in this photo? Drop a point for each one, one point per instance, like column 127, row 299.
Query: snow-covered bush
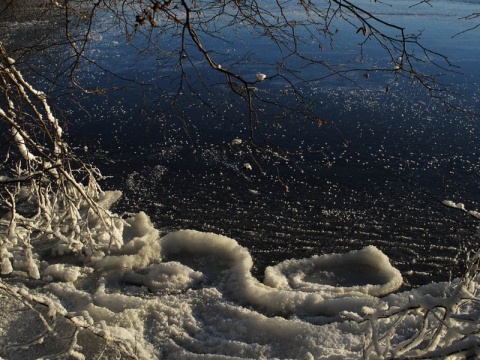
column 431, row 325
column 48, row 193
column 54, row 330
column 51, row 203
column 428, row 326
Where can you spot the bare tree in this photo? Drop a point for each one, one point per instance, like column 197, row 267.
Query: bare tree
column 205, row 45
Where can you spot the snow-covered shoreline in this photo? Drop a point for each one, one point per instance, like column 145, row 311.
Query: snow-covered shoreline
column 190, row 295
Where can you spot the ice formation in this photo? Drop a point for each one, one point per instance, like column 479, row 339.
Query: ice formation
column 190, row 294
column 205, row 299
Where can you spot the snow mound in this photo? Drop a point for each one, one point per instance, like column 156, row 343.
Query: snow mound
column 367, row 271
column 322, row 285
column 191, row 295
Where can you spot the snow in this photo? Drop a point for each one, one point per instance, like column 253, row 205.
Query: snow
column 62, row 272
column 190, row 294
column 367, row 271
column 454, row 205
column 20, row 141
column 261, row 77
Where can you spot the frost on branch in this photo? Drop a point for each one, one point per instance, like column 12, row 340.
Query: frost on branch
column 50, row 197
column 439, row 326
column 47, row 192
column 55, row 332
column 444, row 325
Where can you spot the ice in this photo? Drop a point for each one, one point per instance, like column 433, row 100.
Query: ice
column 141, row 246
column 367, row 271
column 261, row 77
column 191, row 295
column 165, row 277
column 233, row 263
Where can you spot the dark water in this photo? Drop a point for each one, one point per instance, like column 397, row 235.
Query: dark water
column 383, row 190
column 405, row 155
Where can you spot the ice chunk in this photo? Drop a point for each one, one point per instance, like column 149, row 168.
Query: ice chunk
column 233, row 263
column 165, row 277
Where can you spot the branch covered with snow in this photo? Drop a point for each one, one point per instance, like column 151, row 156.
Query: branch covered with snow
column 42, row 172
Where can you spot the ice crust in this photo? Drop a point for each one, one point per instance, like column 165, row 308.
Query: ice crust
column 191, row 295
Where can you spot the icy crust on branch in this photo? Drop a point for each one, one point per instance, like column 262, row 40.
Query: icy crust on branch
column 51, row 195
column 461, row 206
column 99, row 234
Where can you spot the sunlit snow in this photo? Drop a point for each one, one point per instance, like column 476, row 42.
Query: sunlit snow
column 190, row 294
